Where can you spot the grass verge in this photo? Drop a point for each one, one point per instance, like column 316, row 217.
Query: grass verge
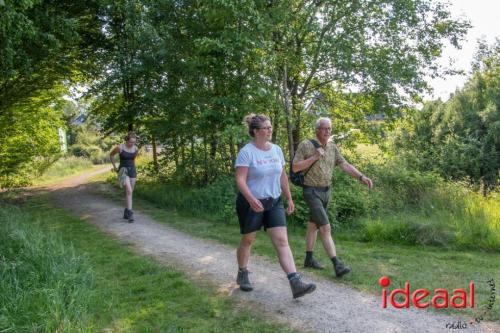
column 60, row 274
column 62, row 168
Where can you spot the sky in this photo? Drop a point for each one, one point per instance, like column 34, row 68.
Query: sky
column 484, row 18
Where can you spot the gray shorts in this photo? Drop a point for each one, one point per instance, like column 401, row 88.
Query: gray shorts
column 317, row 200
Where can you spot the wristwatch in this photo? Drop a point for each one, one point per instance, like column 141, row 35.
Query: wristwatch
column 360, row 177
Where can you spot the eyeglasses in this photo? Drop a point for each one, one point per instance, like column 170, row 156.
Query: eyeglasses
column 328, row 129
column 269, row 128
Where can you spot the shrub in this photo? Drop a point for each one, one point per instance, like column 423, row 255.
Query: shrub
column 92, row 152
column 402, row 188
column 216, row 200
column 405, row 206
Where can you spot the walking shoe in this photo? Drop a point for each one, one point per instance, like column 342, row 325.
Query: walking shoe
column 125, row 214
column 243, row 281
column 300, row 288
column 313, row 263
column 130, row 216
column 341, row 269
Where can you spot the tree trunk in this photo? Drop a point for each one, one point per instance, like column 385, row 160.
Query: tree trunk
column 232, row 152
column 232, row 149
column 296, row 110
column 205, row 161
column 155, row 154
column 192, row 156
column 276, row 124
column 288, row 115
column 214, row 144
column 176, row 156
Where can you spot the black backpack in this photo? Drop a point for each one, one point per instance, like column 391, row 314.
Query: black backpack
column 297, row 178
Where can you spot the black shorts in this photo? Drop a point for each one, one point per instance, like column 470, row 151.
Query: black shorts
column 131, row 172
column 250, row 221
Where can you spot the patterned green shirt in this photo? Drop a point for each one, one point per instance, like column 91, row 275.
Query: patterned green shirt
column 320, row 173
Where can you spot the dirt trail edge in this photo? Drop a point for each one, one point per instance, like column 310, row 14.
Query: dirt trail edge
column 331, row 308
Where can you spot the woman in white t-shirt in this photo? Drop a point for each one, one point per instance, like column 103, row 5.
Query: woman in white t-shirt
column 261, row 178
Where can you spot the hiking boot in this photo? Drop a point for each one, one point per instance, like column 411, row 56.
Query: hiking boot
column 243, row 281
column 300, row 288
column 130, row 216
column 341, row 269
column 313, row 263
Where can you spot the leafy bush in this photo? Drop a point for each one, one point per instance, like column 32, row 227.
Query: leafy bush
column 84, row 150
column 398, row 188
column 29, row 143
column 87, row 142
column 405, row 207
column 216, row 200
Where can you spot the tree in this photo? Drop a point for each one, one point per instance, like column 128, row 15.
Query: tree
column 29, row 140
column 43, row 43
column 185, row 72
column 44, row 46
column 381, row 49
column 461, row 138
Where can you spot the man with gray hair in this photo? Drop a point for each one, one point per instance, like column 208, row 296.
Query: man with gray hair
column 318, row 158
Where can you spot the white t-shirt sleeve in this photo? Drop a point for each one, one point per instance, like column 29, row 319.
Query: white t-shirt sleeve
column 243, row 158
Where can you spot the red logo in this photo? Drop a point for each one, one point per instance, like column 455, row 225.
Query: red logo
column 422, row 298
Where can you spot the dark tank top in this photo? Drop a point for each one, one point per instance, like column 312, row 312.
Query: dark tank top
column 127, row 159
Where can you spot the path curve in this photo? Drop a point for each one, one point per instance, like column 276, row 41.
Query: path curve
column 331, row 308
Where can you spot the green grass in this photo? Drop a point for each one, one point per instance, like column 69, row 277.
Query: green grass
column 428, row 267
column 63, row 168
column 61, row 274
column 40, row 275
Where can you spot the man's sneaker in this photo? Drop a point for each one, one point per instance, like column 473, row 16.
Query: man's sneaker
column 313, row 263
column 243, row 281
column 341, row 269
column 300, row 288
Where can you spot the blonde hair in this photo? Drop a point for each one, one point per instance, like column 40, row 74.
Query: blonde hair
column 254, row 122
column 129, row 136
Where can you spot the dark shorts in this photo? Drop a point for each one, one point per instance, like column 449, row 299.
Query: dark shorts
column 250, row 221
column 317, row 201
column 131, row 172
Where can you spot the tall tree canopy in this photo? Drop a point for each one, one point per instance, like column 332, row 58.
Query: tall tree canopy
column 183, row 73
column 44, row 46
column 43, row 43
column 186, row 72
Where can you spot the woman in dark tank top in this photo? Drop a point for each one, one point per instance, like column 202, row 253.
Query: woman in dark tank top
column 127, row 173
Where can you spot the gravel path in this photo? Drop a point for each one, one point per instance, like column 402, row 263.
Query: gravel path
column 331, row 308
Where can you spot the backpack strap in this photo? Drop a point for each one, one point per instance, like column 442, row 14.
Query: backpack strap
column 316, row 145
